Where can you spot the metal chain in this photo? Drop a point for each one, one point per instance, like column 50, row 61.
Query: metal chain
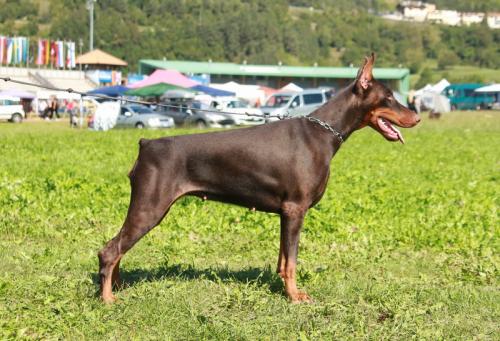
column 326, row 126
column 121, row 98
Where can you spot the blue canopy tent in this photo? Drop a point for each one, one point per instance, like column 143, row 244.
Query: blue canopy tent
column 112, row 91
column 212, row 91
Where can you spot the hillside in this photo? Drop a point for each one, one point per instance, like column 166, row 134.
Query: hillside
column 338, row 32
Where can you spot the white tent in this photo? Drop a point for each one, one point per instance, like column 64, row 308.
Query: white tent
column 430, row 97
column 291, row 87
column 440, row 86
column 251, row 93
column 489, row 88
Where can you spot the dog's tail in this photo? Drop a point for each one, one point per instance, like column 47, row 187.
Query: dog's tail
column 142, row 143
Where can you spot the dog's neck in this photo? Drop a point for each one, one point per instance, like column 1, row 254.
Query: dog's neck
column 342, row 113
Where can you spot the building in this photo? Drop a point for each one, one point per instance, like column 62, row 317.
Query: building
column 493, row 20
column 446, row 17
column 416, row 10
column 276, row 76
column 470, row 18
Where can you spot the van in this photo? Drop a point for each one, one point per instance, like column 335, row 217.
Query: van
column 295, row 103
column 11, row 109
column 463, row 97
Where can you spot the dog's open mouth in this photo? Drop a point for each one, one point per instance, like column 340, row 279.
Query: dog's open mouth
column 389, row 131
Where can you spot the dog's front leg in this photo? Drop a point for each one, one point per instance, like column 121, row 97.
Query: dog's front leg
column 292, row 217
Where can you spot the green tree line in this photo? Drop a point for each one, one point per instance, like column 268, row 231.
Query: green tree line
column 336, row 32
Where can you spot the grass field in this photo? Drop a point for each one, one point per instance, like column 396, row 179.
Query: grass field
column 404, row 244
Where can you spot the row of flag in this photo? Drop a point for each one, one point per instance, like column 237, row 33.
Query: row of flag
column 58, row 54
column 14, row 50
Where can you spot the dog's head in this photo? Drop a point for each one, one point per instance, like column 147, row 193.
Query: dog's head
column 380, row 109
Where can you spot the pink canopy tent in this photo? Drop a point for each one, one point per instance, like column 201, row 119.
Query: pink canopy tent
column 172, row 77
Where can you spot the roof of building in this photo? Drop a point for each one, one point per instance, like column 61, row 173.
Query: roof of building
column 98, row 57
column 147, row 65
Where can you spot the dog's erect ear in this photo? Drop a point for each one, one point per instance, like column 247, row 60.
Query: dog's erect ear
column 365, row 75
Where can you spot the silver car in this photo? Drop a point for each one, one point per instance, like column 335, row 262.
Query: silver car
column 140, row 116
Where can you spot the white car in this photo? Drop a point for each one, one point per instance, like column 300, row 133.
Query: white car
column 11, row 109
column 240, row 108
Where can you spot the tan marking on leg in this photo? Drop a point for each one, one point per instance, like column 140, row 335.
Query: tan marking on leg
column 106, row 287
column 115, row 279
column 291, row 290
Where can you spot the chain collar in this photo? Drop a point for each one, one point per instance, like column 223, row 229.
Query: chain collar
column 327, row 127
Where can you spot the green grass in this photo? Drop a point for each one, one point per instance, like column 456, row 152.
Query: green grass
column 404, row 244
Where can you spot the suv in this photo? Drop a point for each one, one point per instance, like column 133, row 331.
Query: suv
column 295, row 103
column 11, row 109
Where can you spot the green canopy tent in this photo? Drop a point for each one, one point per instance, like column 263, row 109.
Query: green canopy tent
column 155, row 90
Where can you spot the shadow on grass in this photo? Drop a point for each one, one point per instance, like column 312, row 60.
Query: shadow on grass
column 261, row 277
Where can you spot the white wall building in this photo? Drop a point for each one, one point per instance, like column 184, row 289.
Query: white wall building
column 470, row 18
column 493, row 20
column 446, row 17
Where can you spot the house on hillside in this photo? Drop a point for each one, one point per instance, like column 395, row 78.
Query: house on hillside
column 446, row 17
column 493, row 20
column 470, row 18
column 415, row 10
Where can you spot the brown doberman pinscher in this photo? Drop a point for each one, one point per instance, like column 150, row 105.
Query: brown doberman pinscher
column 281, row 167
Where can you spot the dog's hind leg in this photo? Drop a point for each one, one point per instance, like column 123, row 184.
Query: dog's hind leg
column 150, row 201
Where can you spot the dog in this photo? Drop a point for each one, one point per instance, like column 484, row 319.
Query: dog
column 281, row 167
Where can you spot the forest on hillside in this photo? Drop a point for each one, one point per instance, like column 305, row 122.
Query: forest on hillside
column 335, row 32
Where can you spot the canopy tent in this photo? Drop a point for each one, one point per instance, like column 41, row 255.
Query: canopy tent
column 436, row 88
column 291, row 87
column 166, row 76
column 489, row 88
column 98, row 57
column 154, row 90
column 17, row 93
column 212, row 91
column 112, row 91
column 252, row 93
column 440, row 86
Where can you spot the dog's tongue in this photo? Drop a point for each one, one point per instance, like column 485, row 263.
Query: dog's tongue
column 400, row 136
column 390, row 129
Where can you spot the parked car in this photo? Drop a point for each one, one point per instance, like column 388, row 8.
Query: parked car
column 11, row 109
column 463, row 97
column 240, row 108
column 140, row 116
column 192, row 113
column 295, row 103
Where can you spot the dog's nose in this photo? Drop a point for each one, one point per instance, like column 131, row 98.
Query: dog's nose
column 417, row 119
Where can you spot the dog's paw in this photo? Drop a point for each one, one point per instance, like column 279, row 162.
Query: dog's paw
column 108, row 299
column 300, row 297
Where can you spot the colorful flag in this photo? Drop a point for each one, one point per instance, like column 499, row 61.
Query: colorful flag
column 60, row 54
column 47, row 51
column 26, row 54
column 40, row 54
column 53, row 53
column 10, row 46
column 2, row 48
column 70, row 56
